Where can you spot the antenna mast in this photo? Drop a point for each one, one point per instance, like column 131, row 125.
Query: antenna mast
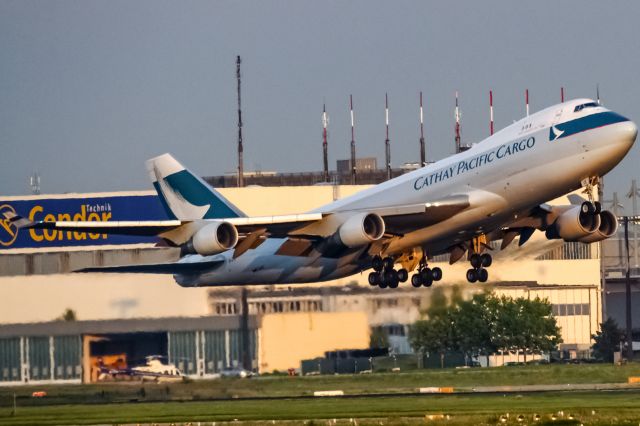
column 457, row 127
column 526, row 101
column 325, row 148
column 353, row 144
column 387, row 144
column 34, row 183
column 423, row 159
column 490, row 112
column 240, row 148
column 561, row 94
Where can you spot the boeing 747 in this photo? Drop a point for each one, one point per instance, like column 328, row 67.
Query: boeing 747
column 496, row 190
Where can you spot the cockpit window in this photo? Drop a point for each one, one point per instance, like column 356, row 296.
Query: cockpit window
column 587, row 105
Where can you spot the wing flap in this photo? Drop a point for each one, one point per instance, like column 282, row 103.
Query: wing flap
column 402, row 219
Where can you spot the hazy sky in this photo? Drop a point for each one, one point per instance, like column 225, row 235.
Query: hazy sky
column 90, row 89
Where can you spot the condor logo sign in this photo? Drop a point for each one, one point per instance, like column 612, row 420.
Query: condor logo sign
column 99, row 209
column 99, row 213
column 8, row 232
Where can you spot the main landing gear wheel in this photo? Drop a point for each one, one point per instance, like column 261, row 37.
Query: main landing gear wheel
column 383, row 275
column 376, row 263
column 478, row 264
column 472, row 275
column 436, row 273
column 426, row 276
column 391, row 278
column 416, row 281
column 374, row 278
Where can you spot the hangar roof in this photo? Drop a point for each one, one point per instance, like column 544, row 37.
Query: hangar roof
column 142, row 325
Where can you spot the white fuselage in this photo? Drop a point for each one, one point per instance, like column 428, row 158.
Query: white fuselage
column 505, row 176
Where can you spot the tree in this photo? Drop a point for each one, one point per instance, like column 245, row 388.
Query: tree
column 540, row 331
column 68, row 315
column 434, row 335
column 485, row 324
column 472, row 326
column 607, row 340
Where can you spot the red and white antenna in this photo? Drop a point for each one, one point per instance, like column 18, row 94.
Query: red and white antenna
column 598, row 93
column 387, row 144
column 526, row 101
column 562, row 94
column 325, row 147
column 423, row 160
column 457, row 127
column 353, row 144
column 491, row 112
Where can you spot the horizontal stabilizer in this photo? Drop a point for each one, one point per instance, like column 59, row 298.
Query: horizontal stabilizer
column 158, row 268
column 140, row 228
column 16, row 220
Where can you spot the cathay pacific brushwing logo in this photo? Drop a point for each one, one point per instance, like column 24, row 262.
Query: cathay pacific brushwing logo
column 555, row 133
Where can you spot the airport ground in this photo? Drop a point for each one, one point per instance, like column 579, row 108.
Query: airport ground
column 598, row 395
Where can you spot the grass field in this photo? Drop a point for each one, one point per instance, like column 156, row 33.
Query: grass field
column 586, row 407
column 213, row 400
column 280, row 386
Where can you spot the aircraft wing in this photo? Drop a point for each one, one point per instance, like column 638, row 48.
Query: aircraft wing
column 398, row 220
column 402, row 219
column 175, row 231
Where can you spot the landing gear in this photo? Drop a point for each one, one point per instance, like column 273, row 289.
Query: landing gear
column 425, row 276
column 478, row 264
column 374, row 278
column 376, row 263
column 384, row 275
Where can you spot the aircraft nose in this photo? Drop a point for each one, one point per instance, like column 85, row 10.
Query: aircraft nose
column 628, row 132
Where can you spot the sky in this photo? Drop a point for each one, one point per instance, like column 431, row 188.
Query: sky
column 91, row 89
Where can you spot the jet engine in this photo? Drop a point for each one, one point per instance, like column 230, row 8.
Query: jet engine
column 361, row 229
column 576, row 223
column 608, row 227
column 214, row 238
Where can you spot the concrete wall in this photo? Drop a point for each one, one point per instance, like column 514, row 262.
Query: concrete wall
column 286, row 339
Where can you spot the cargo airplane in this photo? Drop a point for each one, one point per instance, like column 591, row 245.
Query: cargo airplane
column 496, row 190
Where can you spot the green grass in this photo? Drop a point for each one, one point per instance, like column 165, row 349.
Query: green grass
column 301, row 386
column 213, row 400
column 610, row 408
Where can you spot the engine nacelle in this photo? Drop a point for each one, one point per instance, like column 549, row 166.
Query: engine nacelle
column 214, row 238
column 576, row 223
column 608, row 227
column 361, row 229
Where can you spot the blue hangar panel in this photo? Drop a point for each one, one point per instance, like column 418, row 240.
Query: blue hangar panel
column 108, row 208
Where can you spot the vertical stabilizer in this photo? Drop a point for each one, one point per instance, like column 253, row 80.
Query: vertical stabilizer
column 184, row 195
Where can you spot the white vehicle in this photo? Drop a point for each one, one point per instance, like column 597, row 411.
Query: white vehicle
column 496, row 190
